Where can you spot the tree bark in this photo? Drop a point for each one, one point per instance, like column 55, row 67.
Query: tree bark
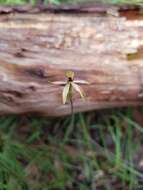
column 37, row 49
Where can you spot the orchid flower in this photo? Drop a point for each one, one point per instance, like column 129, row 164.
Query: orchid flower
column 71, row 84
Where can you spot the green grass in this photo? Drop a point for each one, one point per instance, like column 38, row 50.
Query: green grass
column 21, row 2
column 95, row 151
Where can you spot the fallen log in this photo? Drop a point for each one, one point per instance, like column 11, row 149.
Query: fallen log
column 37, row 49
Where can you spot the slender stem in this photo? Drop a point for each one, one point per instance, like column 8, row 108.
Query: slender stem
column 71, row 102
column 71, row 125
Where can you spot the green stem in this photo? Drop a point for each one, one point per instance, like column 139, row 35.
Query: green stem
column 71, row 126
column 71, row 103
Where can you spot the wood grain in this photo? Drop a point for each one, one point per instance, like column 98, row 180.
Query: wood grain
column 37, row 49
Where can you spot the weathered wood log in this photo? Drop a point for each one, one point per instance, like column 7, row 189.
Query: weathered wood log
column 37, row 49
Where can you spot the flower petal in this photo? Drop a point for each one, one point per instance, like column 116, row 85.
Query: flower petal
column 59, row 82
column 78, row 89
column 81, row 82
column 70, row 74
column 66, row 92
